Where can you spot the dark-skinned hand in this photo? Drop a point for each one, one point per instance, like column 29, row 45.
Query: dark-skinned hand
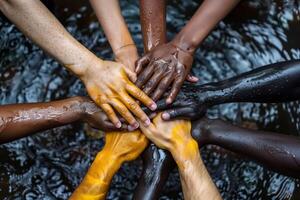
column 163, row 66
column 190, row 104
column 96, row 118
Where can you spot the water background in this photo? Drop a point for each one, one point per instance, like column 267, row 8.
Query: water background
column 49, row 165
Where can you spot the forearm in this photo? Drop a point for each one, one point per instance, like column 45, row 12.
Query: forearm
column 277, row 82
column 95, row 184
column 276, row 151
column 157, row 164
column 39, row 24
column 20, row 120
column 195, row 180
column 202, row 23
column 111, row 19
column 153, row 23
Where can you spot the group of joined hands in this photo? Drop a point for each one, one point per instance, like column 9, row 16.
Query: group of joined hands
column 119, row 89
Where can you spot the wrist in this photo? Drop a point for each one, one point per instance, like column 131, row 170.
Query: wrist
column 87, row 67
column 184, row 43
column 185, row 151
column 126, row 53
column 108, row 163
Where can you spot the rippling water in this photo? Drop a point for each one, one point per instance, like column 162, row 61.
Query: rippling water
column 49, row 165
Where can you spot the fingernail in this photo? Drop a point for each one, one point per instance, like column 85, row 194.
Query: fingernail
column 168, row 101
column 153, row 106
column 147, row 122
column 133, row 127
column 130, row 128
column 165, row 116
column 118, row 124
column 136, row 125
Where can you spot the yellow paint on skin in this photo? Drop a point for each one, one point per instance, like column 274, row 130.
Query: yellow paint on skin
column 178, row 134
column 126, row 146
column 119, row 147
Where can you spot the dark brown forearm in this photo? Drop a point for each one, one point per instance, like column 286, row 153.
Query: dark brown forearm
column 153, row 22
column 19, row 120
column 277, row 151
column 156, row 162
column 202, row 23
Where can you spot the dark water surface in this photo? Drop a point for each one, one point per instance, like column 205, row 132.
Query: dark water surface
column 50, row 165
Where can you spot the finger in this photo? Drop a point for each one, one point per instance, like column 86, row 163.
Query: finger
column 152, row 83
column 162, row 87
column 162, row 105
column 148, row 130
column 141, row 96
column 111, row 114
column 135, row 108
column 145, row 75
column 124, row 112
column 132, row 75
column 140, row 63
column 192, row 79
column 152, row 115
column 177, row 113
column 175, row 89
column 108, row 126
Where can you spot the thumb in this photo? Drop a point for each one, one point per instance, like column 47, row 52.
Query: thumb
column 191, row 78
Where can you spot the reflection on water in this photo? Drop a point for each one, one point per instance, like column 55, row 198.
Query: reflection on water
column 49, row 165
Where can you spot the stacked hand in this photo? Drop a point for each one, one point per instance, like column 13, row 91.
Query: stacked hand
column 128, row 56
column 119, row 148
column 164, row 65
column 172, row 135
column 109, row 87
column 191, row 104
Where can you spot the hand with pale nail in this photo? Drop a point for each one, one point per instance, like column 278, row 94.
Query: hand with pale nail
column 165, row 65
column 109, row 87
column 119, row 147
column 175, row 136
column 116, row 31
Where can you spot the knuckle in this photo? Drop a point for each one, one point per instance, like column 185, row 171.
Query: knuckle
column 123, row 111
column 132, row 105
column 150, row 84
column 109, row 112
column 139, row 94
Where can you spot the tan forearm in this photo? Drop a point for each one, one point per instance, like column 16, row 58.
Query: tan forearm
column 111, row 19
column 153, row 23
column 40, row 25
column 202, row 23
column 195, row 180
column 96, row 182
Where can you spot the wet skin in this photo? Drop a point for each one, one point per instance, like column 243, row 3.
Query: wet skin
column 115, row 29
column 277, row 82
column 106, row 82
column 156, row 161
column 20, row 120
column 119, row 147
column 278, row 152
column 272, row 83
column 175, row 136
column 169, row 64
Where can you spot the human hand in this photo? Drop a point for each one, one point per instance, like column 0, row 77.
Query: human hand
column 95, row 117
column 163, row 65
column 168, row 135
column 109, row 87
column 125, row 146
column 190, row 104
column 128, row 55
column 119, row 147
